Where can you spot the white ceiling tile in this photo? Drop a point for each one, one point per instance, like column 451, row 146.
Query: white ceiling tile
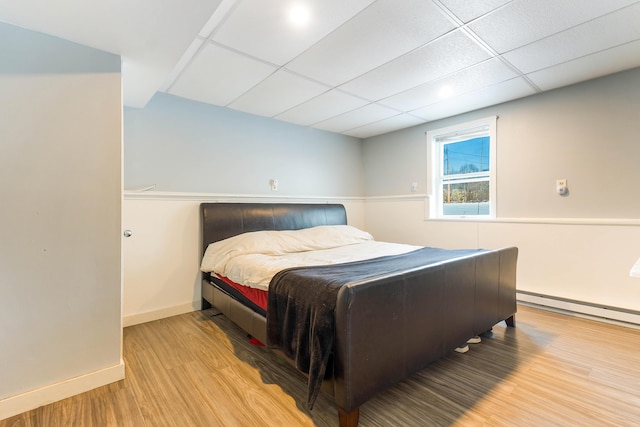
column 602, row 33
column 323, row 107
column 263, row 29
column 491, row 95
column 467, row 10
column 487, row 73
column 396, row 54
column 391, row 124
column 599, row 64
column 218, row 76
column 356, row 118
column 524, row 21
column 455, row 51
column 382, row 32
column 277, row 93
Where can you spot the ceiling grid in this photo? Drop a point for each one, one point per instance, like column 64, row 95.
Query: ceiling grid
column 361, row 67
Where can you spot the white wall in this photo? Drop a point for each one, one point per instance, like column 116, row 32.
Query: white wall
column 162, row 256
column 161, row 271
column 576, row 261
column 579, row 247
column 60, row 257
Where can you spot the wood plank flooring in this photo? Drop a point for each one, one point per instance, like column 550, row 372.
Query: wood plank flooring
column 200, row 370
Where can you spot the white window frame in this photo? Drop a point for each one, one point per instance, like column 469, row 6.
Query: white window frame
column 435, row 139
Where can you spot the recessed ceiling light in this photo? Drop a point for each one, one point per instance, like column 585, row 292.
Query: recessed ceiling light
column 299, row 15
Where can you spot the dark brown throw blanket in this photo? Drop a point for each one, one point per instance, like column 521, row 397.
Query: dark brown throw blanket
column 302, row 301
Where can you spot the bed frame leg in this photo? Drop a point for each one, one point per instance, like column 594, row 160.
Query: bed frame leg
column 348, row 419
column 511, row 321
column 205, row 304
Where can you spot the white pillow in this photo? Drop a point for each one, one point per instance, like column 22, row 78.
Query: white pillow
column 271, row 242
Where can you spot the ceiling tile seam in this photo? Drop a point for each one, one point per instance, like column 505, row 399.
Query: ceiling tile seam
column 311, row 79
column 187, row 62
column 365, row 124
column 597, row 17
column 421, row 119
column 409, row 52
column 327, row 35
column 522, row 75
column 499, row 56
column 465, row 28
column 459, row 23
column 275, row 116
column 354, row 109
column 411, row 112
column 279, row 113
column 565, row 29
column 432, row 81
column 582, row 57
column 376, row 121
column 417, row 117
column 328, row 86
column 454, row 18
column 246, row 55
column 525, row 76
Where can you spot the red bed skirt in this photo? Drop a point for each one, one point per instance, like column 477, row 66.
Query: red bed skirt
column 257, row 296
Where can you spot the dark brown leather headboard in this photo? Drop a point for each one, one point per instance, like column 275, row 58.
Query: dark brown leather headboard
column 224, row 220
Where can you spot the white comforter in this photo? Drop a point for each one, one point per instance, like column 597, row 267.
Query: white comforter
column 252, row 259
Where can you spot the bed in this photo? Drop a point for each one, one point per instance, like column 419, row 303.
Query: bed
column 419, row 306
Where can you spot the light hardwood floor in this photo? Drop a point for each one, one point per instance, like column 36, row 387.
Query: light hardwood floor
column 200, row 370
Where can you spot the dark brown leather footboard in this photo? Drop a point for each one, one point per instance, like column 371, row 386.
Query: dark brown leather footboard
column 416, row 320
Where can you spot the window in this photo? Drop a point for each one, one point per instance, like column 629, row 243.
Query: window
column 462, row 170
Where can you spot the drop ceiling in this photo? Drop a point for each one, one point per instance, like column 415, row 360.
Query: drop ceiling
column 357, row 67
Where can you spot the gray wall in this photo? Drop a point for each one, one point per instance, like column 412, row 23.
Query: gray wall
column 60, row 161
column 586, row 133
column 186, row 146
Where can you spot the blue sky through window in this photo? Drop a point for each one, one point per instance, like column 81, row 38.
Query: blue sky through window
column 471, row 155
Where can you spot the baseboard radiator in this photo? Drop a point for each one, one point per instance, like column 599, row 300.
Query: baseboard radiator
column 630, row 318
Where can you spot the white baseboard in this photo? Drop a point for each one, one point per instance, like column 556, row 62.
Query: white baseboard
column 607, row 314
column 33, row 399
column 149, row 316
